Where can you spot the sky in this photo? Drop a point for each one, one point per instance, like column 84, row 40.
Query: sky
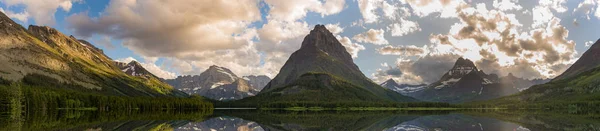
column 410, row 41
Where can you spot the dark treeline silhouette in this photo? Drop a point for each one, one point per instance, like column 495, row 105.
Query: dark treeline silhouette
column 30, row 95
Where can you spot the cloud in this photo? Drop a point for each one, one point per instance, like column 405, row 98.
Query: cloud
column 586, row 7
column 542, row 13
column 334, row 28
column 352, row 48
column 505, row 5
column 493, row 39
column 157, row 28
column 23, row 16
column 589, row 43
column 372, row 36
column 426, row 69
column 404, row 27
column 42, row 11
column 368, row 9
column 151, row 67
column 292, row 10
column 192, row 35
column 410, row 50
column 446, row 8
column 105, row 41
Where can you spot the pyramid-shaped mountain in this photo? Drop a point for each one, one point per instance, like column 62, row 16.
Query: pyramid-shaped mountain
column 464, row 83
column 218, row 83
column 322, row 66
column 44, row 53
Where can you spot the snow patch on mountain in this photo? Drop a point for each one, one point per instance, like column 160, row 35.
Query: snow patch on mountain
column 447, row 83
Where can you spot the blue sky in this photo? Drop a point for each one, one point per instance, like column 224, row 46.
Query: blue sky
column 399, row 39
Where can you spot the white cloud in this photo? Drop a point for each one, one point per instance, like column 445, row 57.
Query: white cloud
column 276, row 31
column 557, row 5
column 496, row 42
column 446, row 8
column 589, row 43
column 410, row 50
column 505, row 5
column 586, row 7
column 193, row 35
column 352, row 48
column 372, row 36
column 23, row 16
column 334, row 28
column 368, row 9
column 42, row 11
column 403, row 27
column 389, row 10
column 542, row 13
column 292, row 10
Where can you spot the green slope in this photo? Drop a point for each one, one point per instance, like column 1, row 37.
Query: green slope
column 316, row 90
column 581, row 91
column 44, row 56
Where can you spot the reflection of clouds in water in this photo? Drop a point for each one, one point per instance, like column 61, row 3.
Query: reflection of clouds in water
column 406, row 127
column 457, row 122
column 221, row 124
column 522, row 129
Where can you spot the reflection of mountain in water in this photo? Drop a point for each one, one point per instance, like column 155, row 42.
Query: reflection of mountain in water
column 251, row 120
column 456, row 122
column 221, row 124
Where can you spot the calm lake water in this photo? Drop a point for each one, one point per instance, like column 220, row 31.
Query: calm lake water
column 253, row 120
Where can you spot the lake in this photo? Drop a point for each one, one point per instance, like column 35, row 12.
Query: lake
column 258, row 120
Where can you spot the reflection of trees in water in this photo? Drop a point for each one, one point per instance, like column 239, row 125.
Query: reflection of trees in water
column 253, row 120
column 115, row 120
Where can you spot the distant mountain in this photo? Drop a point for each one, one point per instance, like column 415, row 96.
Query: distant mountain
column 41, row 52
column 580, row 83
column 322, row 66
column 216, row 83
column 134, row 68
column 258, row 82
column 464, row 83
column 589, row 60
column 519, row 83
column 404, row 89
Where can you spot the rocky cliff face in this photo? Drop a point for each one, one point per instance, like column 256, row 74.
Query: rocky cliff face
column 321, row 52
column 217, row 83
column 259, row 82
column 46, row 52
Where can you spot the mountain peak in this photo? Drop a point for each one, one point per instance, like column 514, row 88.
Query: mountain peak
column 462, row 62
column 213, row 70
column 133, row 62
column 320, row 28
column 389, row 81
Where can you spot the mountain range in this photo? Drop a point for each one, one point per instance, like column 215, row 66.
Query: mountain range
column 404, row 89
column 579, row 83
column 464, row 83
column 43, row 56
column 219, row 83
